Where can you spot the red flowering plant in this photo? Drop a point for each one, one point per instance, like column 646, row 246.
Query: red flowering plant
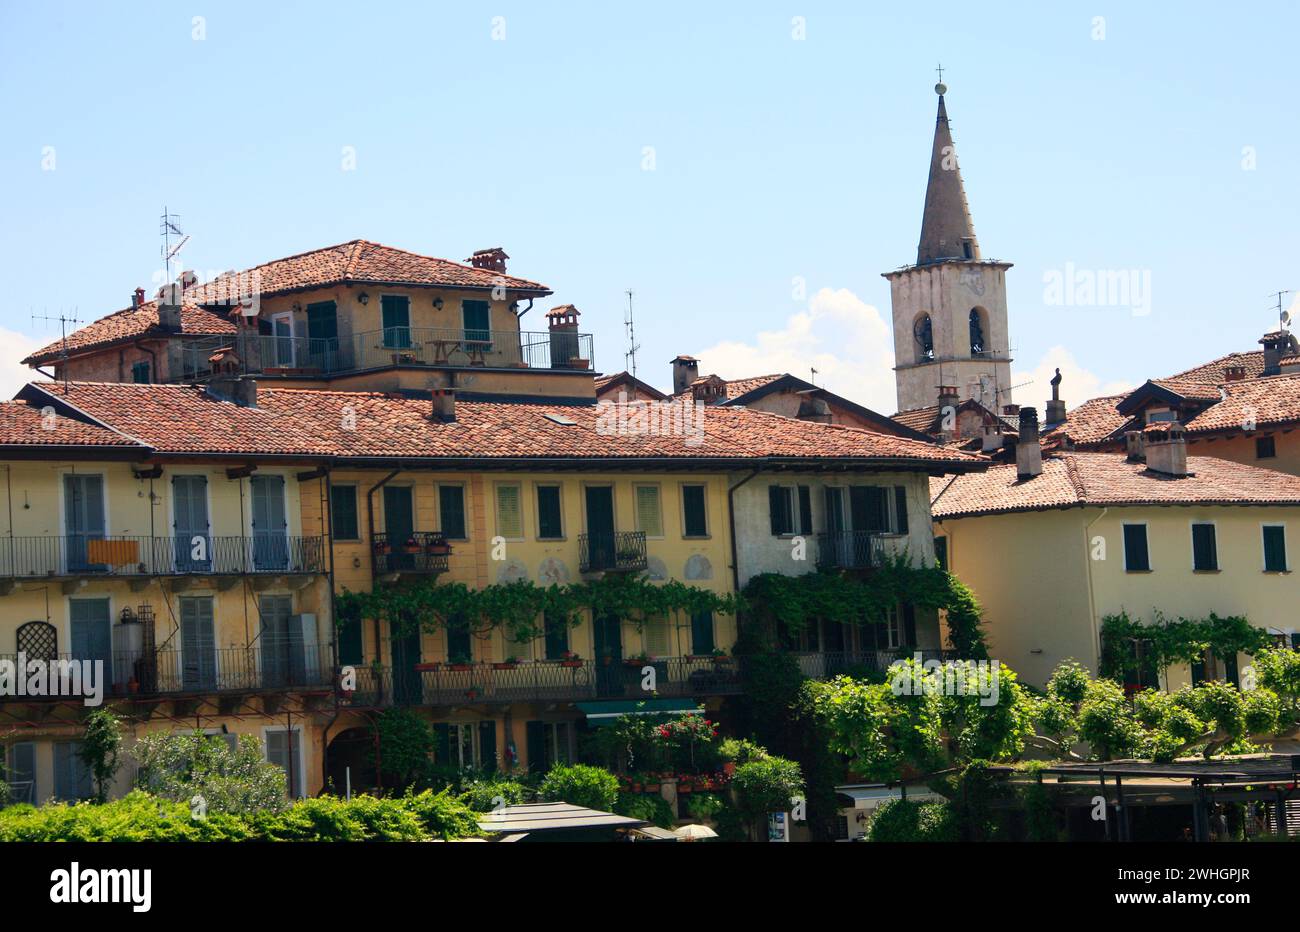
column 688, row 743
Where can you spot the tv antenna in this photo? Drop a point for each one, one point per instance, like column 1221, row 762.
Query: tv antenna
column 812, row 375
column 1283, row 314
column 629, row 358
column 169, row 226
column 63, row 321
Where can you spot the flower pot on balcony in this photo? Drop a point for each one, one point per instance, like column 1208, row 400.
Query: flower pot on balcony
column 471, row 694
column 460, row 667
column 571, row 664
column 439, row 550
column 577, row 362
column 506, row 665
column 426, row 667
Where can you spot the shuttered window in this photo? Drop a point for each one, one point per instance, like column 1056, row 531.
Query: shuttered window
column 343, row 514
column 1205, row 554
column 451, row 510
column 282, row 750
column 658, row 637
column 510, row 514
column 487, row 746
column 395, row 316
column 781, row 509
column 349, row 636
column 695, row 523
column 702, row 633
column 460, row 642
column 648, row 516
column 550, row 518
column 557, row 635
column 1137, row 558
column 1274, row 548
column 478, row 324
column 805, row 510
column 900, row 509
column 72, row 778
column 21, row 772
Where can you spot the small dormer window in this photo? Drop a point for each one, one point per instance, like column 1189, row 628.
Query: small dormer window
column 1159, row 415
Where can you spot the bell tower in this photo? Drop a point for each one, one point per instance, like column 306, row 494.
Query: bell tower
column 950, row 307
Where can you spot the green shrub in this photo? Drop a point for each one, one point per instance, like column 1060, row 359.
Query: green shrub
column 181, row 767
column 704, row 806
column 741, row 751
column 767, row 785
column 904, row 820
column 406, row 745
column 581, row 785
column 483, row 795
column 652, row 808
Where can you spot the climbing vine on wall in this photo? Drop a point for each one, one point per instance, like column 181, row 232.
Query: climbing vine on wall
column 1165, row 642
column 797, row 601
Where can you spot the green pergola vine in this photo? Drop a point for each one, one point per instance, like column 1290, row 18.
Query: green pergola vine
column 1166, row 643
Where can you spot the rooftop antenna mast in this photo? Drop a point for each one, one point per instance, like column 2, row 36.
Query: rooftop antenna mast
column 63, row 320
column 1283, row 314
column 629, row 358
column 169, row 226
column 812, row 372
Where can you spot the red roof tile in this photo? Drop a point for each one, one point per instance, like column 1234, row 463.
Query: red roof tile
column 131, row 324
column 1109, row 479
column 24, row 425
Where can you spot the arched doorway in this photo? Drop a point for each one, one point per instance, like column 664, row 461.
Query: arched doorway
column 351, row 750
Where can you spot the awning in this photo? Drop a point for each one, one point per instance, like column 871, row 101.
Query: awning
column 606, row 713
column 871, row 795
column 545, row 817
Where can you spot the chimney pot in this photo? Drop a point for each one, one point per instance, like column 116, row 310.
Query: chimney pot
column 686, row 369
column 444, row 405
column 1234, row 373
column 1135, row 446
column 1029, row 452
column 493, row 259
column 240, row 390
column 137, row 299
column 1166, row 448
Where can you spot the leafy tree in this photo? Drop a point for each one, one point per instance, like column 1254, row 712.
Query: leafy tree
column 406, row 746
column 581, row 785
column 904, row 820
column 101, row 745
column 768, row 785
column 181, row 767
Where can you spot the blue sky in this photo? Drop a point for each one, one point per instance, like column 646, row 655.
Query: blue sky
column 775, row 158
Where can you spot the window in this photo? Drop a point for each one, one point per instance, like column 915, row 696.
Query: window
column 343, row 512
column 550, row 516
column 657, row 637
column 1205, row 554
column 648, row 517
column 140, row 373
column 941, row 553
column 72, row 777
column 900, row 509
column 510, row 514
column 977, row 344
column 893, row 627
column 923, row 330
column 460, row 642
column 466, row 745
column 395, row 316
column 350, row 643
column 1265, row 448
column 805, row 510
column 284, row 749
column 478, row 322
column 702, row 633
column 556, row 628
column 20, row 772
column 694, row 521
column 1274, row 548
column 549, row 743
column 1137, row 558
column 781, row 507
column 451, row 508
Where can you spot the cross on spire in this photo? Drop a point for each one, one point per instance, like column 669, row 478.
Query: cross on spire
column 940, row 70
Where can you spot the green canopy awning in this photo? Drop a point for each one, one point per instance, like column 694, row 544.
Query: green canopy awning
column 606, row 713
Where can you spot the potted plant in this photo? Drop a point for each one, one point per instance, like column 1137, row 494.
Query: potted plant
column 718, row 654
column 383, row 547
column 637, row 660
column 571, row 659
column 473, row 692
column 438, row 547
column 508, row 664
column 653, row 782
column 412, row 545
column 426, row 667
column 460, row 663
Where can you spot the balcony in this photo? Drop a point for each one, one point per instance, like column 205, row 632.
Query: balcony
column 850, row 550
column 393, row 346
column 167, row 672
column 617, row 552
column 542, row 681
column 822, row 665
column 95, row 555
column 423, row 553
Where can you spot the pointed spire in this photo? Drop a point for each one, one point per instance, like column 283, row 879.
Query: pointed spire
column 946, row 229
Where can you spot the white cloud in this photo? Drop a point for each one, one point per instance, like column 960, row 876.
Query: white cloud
column 14, row 347
column 845, row 339
column 1077, row 383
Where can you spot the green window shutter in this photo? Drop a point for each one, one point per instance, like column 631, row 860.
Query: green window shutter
column 702, row 633
column 343, row 502
column 778, row 500
column 442, row 744
column 510, row 517
column 536, row 741
column 900, row 509
column 1204, row 549
column 478, row 320
column 658, row 637
column 941, row 553
column 557, row 636
column 550, row 522
column 693, row 504
column 322, row 321
column 140, row 373
column 487, row 745
column 1137, row 558
column 395, row 315
column 648, row 518
column 351, row 650
column 451, row 508
column 460, row 642
column 805, row 510
column 1274, row 549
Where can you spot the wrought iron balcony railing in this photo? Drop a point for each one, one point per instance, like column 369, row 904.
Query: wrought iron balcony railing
column 190, row 360
column 822, row 665
column 196, row 555
column 621, row 551
column 850, row 550
column 422, row 553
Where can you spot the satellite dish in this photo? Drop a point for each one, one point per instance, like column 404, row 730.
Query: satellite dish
column 1286, row 318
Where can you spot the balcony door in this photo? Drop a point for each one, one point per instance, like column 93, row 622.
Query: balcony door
column 607, row 638
column 83, row 510
column 322, row 336
column 399, row 525
column 270, row 524
column 282, row 331
column 287, row 643
column 198, row 644
column 190, row 524
column 600, row 527
column 91, row 630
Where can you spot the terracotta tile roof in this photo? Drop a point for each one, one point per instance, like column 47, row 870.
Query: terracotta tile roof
column 360, row 261
column 735, row 387
column 23, row 425
column 1214, row 371
column 926, row 419
column 609, row 383
column 1263, row 402
column 1192, row 389
column 1109, row 479
column 183, row 419
column 1093, row 422
column 130, row 324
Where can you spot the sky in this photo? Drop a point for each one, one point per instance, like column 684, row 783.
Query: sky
column 747, row 169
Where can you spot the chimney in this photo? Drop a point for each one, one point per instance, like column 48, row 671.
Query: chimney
column 991, row 440
column 1166, row 448
column 1055, row 406
column 686, row 369
column 1029, row 453
column 948, row 397
column 1235, row 373
column 1011, row 411
column 563, row 324
column 1276, row 345
column 444, row 406
column 492, row 260
column 137, row 299
column 188, row 279
column 169, row 308
column 1135, row 446
column 240, row 390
